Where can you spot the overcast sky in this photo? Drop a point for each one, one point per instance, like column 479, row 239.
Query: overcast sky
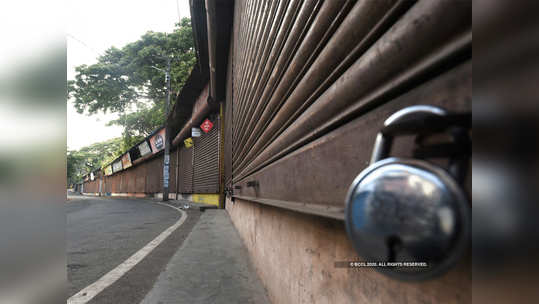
column 95, row 25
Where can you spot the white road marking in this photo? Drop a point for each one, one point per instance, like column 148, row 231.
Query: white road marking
column 92, row 290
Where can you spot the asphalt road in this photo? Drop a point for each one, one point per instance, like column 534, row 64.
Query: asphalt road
column 104, row 232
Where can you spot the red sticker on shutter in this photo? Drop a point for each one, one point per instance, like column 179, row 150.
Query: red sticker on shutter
column 206, row 126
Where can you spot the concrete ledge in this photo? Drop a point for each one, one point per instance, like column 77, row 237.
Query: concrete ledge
column 182, row 203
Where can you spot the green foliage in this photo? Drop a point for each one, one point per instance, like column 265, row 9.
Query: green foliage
column 125, row 77
column 92, row 157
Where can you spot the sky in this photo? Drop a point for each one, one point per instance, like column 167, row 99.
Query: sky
column 95, row 25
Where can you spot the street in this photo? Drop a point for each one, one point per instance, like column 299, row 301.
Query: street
column 122, row 250
column 103, row 232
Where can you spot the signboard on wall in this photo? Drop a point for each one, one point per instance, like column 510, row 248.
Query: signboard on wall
column 117, row 166
column 158, row 141
column 108, row 170
column 144, row 149
column 126, row 160
column 206, row 125
column 188, row 142
column 195, row 132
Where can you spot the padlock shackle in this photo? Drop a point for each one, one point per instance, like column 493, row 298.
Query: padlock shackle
column 413, row 116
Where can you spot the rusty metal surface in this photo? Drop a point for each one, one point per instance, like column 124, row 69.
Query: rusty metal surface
column 186, row 170
column 396, row 62
column 270, row 41
column 324, row 24
column 295, row 24
column 247, row 55
column 107, row 184
column 276, row 66
column 140, row 178
column 91, row 186
column 321, row 172
column 206, row 160
column 313, row 209
column 203, row 108
column 124, row 181
column 212, row 40
column 255, row 29
column 154, row 175
column 219, row 16
column 115, row 183
column 173, row 171
column 131, row 178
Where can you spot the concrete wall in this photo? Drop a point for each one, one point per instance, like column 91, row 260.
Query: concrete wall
column 294, row 255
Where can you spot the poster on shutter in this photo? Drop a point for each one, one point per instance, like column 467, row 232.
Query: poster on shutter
column 195, row 132
column 144, row 149
column 117, row 166
column 166, row 175
column 126, row 160
column 188, row 142
column 206, row 126
column 108, row 170
column 158, row 141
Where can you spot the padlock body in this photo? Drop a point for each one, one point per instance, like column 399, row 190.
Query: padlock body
column 401, row 211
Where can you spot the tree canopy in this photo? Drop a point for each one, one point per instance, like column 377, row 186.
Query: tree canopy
column 126, row 77
column 91, row 158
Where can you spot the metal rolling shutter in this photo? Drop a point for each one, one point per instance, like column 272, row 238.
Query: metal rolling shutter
column 305, row 72
column 115, row 181
column 228, row 125
column 140, row 178
column 130, row 176
column 173, row 184
column 206, row 161
column 186, row 170
column 154, row 177
column 124, row 181
column 108, row 184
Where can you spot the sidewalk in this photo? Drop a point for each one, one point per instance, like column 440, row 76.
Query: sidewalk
column 212, row 266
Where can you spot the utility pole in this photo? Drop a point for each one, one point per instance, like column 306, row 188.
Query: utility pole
column 166, row 160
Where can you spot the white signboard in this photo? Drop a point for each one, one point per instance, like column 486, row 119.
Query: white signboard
column 166, row 176
column 117, row 166
column 144, row 148
column 195, row 132
column 167, row 159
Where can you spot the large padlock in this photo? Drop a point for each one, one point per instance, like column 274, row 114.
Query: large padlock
column 409, row 216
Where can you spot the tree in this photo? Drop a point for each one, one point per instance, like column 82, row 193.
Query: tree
column 125, row 77
column 93, row 157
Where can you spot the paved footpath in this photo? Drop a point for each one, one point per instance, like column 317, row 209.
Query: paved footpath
column 211, row 266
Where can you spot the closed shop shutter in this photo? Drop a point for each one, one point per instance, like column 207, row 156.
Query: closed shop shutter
column 313, row 82
column 90, row 186
column 173, row 171
column 140, row 178
column 124, row 181
column 108, row 184
column 115, row 183
column 206, row 160
column 131, row 175
column 186, row 170
column 154, row 177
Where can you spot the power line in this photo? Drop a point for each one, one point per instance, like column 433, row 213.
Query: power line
column 178, row 9
column 83, row 43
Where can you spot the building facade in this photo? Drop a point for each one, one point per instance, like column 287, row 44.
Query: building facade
column 297, row 93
